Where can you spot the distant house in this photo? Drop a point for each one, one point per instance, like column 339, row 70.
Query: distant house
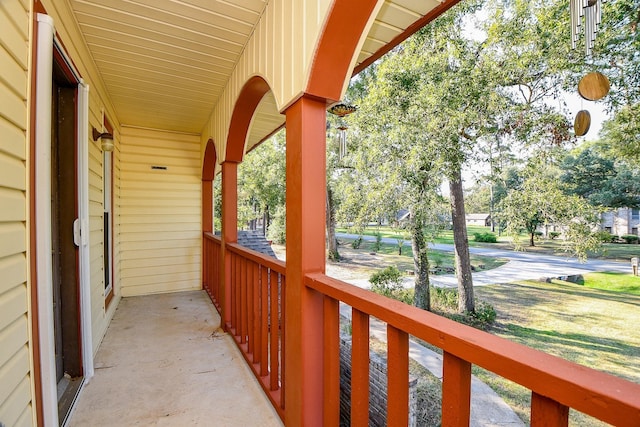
column 482, row 219
column 621, row 221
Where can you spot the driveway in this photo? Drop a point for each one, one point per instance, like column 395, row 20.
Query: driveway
column 521, row 266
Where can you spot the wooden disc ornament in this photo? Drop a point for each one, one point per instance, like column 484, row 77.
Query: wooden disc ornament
column 594, row 86
column 582, row 123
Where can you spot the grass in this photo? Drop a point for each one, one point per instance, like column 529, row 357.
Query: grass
column 610, row 251
column 593, row 324
column 441, row 262
column 613, row 281
column 591, row 327
column 444, row 236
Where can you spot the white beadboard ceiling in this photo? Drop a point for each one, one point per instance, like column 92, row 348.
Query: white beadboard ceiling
column 166, row 62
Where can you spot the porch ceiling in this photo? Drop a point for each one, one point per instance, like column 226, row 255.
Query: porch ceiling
column 165, row 63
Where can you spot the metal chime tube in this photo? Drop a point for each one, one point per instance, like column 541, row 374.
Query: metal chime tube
column 591, row 10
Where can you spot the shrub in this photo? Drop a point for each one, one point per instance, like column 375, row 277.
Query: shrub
column 604, row 236
column 277, row 231
column 378, row 243
column 388, row 282
column 444, row 301
column 356, row 243
column 554, row 234
column 485, row 237
column 630, row 238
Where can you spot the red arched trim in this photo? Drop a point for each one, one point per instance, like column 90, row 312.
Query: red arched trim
column 340, row 36
column 208, row 173
column 209, row 162
column 250, row 95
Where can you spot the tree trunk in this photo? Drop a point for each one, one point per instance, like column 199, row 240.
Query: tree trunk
column 421, row 298
column 461, row 246
column 531, row 238
column 332, row 242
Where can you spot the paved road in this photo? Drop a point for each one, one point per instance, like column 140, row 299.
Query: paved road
column 521, row 265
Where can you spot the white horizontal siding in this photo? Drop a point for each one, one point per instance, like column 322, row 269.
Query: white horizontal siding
column 159, row 212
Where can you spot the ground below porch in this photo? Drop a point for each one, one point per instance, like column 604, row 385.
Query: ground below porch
column 165, row 361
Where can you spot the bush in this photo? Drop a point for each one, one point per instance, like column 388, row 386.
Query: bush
column 378, row 243
column 444, row 301
column 554, row 234
column 388, row 282
column 485, row 237
column 277, row 231
column 630, row 238
column 604, row 236
column 356, row 243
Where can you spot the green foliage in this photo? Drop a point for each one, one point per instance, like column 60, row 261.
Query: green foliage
column 261, row 180
column 388, row 282
column 355, row 244
column 554, row 234
column 444, row 301
column 277, row 231
column 378, row 243
column 540, row 201
column 485, row 237
column 630, row 238
column 604, row 236
column 595, row 175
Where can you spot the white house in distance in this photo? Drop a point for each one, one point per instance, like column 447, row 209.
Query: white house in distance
column 621, row 221
column 482, row 219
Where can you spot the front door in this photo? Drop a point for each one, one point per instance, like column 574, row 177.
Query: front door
column 64, row 211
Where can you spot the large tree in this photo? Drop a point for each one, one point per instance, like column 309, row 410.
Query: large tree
column 539, row 201
column 261, row 182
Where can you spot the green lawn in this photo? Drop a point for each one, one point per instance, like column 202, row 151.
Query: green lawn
column 613, row 281
column 592, row 327
column 441, row 262
column 612, row 251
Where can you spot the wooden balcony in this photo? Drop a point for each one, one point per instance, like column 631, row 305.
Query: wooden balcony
column 166, row 361
column 255, row 284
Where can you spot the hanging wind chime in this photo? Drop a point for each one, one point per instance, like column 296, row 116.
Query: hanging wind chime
column 342, row 110
column 591, row 11
column 595, row 85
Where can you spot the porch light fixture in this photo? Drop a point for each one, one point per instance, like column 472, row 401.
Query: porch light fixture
column 106, row 139
column 591, row 11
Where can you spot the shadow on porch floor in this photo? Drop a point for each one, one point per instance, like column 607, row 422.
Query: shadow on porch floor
column 164, row 361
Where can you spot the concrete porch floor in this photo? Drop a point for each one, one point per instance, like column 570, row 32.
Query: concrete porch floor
column 164, row 361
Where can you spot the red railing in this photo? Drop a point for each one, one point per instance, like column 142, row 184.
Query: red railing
column 211, row 269
column 257, row 316
column 556, row 384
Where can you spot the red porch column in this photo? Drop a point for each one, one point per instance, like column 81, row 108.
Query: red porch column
column 229, row 233
column 306, row 188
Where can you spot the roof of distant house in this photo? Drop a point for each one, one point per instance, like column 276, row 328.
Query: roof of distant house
column 256, row 241
column 477, row 216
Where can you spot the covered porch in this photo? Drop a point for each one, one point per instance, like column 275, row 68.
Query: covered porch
column 186, row 89
column 166, row 361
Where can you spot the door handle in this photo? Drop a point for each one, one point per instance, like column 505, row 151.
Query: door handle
column 77, row 233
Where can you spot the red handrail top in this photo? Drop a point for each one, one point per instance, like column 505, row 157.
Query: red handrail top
column 211, row 236
column 604, row 396
column 257, row 257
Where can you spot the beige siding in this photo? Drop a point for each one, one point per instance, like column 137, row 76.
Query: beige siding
column 99, row 105
column 159, row 212
column 280, row 50
column 15, row 365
